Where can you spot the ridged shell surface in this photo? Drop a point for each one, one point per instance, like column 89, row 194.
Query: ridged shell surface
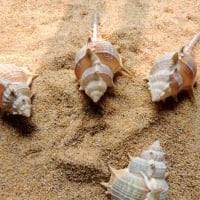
column 150, row 167
column 96, row 63
column 13, row 73
column 124, row 185
column 15, row 92
column 143, row 179
column 104, row 50
column 188, row 70
column 164, row 79
column 172, row 73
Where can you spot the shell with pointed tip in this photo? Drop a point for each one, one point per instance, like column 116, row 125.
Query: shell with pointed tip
column 15, row 94
column 143, row 179
column 172, row 73
column 96, row 63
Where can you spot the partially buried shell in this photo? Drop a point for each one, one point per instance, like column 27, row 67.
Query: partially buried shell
column 96, row 64
column 143, row 179
column 15, row 94
column 174, row 72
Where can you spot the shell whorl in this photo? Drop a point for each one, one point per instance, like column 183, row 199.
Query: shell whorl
column 151, row 161
column 15, row 94
column 96, row 88
column 154, row 152
column 172, row 73
column 143, row 179
column 15, row 73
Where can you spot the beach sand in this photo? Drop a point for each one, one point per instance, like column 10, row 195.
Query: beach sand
column 63, row 150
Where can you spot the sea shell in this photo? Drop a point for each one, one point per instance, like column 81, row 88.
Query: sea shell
column 96, row 64
column 143, row 179
column 174, row 72
column 15, row 94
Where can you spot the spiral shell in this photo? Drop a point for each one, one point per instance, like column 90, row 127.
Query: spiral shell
column 143, row 179
column 15, row 94
column 174, row 72
column 96, row 64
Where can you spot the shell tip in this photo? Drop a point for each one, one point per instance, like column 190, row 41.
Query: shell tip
column 104, row 184
column 96, row 95
column 156, row 143
column 129, row 156
column 27, row 113
column 113, row 170
column 156, row 146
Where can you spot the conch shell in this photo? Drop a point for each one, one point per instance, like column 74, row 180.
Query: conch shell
column 174, row 72
column 96, row 64
column 143, row 179
column 15, row 94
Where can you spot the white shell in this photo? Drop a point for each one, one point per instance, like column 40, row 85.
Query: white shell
column 15, row 94
column 143, row 179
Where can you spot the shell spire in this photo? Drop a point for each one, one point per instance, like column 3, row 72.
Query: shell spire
column 154, row 152
column 143, row 179
column 96, row 64
column 155, row 146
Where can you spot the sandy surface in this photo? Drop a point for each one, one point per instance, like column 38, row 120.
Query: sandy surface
column 64, row 149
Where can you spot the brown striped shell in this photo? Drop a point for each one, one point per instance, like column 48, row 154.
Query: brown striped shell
column 15, row 94
column 143, row 179
column 172, row 73
column 106, row 53
column 96, row 63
